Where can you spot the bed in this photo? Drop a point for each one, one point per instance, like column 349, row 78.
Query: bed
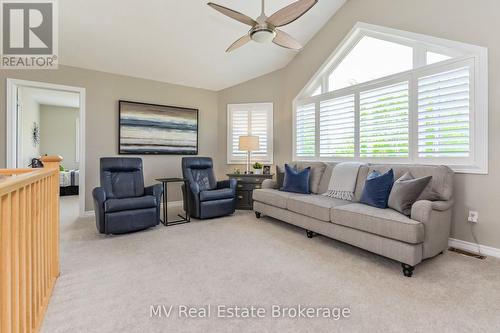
column 69, row 182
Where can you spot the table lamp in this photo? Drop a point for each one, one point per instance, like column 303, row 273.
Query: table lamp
column 249, row 143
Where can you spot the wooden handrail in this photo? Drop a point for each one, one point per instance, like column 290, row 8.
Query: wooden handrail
column 29, row 245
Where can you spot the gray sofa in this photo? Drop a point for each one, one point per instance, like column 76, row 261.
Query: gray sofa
column 386, row 232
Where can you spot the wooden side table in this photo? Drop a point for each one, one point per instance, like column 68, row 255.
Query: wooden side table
column 244, row 188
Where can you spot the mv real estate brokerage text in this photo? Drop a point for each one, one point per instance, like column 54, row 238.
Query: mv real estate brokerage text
column 248, row 312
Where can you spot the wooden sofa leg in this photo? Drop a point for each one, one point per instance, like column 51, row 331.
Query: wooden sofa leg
column 309, row 233
column 258, row 215
column 407, row 270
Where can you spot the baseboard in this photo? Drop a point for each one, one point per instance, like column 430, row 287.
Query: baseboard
column 88, row 213
column 91, row 213
column 472, row 247
column 174, row 204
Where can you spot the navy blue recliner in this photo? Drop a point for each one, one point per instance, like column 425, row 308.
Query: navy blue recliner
column 207, row 197
column 122, row 204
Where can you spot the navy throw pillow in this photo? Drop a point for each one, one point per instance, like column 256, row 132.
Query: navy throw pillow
column 377, row 189
column 296, row 181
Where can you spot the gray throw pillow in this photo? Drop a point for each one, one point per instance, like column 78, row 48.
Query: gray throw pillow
column 280, row 176
column 405, row 192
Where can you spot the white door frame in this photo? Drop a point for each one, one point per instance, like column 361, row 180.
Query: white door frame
column 12, row 126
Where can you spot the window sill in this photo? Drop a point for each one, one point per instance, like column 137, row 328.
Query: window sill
column 459, row 169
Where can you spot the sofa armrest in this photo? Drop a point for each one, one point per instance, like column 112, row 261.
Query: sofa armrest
column 436, row 218
column 228, row 183
column 269, row 184
column 421, row 210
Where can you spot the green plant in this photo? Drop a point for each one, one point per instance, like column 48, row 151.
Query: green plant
column 257, row 166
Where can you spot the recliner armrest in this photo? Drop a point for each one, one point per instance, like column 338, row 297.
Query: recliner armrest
column 99, row 195
column 154, row 190
column 228, row 183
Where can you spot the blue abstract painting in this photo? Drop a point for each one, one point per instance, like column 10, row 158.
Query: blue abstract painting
column 157, row 129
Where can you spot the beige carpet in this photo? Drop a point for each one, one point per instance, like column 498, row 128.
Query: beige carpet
column 107, row 284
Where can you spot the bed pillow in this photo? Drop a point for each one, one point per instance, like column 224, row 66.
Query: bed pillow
column 377, row 189
column 405, row 192
column 296, row 181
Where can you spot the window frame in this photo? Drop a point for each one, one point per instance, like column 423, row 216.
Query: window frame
column 269, row 108
column 473, row 56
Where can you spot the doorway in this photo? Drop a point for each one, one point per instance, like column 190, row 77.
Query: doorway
column 45, row 118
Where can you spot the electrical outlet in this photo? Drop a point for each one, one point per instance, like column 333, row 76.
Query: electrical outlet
column 473, row 216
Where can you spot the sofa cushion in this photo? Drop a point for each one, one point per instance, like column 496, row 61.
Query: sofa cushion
column 317, row 170
column 383, row 222
column 274, row 197
column 405, row 192
column 315, row 206
column 324, row 183
column 377, row 189
column 439, row 188
column 223, row 193
column 118, row 205
column 296, row 181
column 280, row 175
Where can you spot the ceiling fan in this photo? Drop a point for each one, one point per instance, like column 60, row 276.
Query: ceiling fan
column 264, row 28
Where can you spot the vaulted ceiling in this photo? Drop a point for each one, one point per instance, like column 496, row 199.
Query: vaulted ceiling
column 176, row 41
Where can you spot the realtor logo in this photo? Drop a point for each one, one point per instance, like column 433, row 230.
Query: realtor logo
column 29, row 34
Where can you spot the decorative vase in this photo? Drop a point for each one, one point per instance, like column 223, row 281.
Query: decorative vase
column 257, row 171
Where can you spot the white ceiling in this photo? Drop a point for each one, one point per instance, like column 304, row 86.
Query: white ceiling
column 177, row 41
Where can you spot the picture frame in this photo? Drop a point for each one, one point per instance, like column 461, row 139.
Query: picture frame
column 266, row 170
column 154, row 129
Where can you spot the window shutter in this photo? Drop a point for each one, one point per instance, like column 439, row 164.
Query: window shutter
column 337, row 126
column 259, row 127
column 443, row 114
column 384, row 121
column 305, row 141
column 239, row 128
column 250, row 119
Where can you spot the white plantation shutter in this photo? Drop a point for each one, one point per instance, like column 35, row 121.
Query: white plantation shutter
column 250, row 119
column 259, row 126
column 423, row 101
column 444, row 114
column 384, row 122
column 239, row 127
column 337, row 127
column 305, row 131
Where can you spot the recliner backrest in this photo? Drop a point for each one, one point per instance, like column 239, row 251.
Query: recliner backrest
column 122, row 177
column 199, row 170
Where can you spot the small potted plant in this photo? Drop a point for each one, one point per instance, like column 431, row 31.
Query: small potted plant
column 257, row 168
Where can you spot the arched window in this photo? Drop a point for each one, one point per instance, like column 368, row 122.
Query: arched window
column 387, row 95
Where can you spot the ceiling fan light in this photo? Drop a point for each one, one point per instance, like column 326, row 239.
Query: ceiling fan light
column 263, row 36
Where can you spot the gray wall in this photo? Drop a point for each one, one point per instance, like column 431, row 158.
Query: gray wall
column 58, row 133
column 103, row 92
column 469, row 21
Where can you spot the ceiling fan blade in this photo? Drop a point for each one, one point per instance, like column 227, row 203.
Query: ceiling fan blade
column 285, row 40
column 233, row 14
column 291, row 12
column 240, row 42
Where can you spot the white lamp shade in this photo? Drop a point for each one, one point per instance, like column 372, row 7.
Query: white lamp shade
column 249, row 143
